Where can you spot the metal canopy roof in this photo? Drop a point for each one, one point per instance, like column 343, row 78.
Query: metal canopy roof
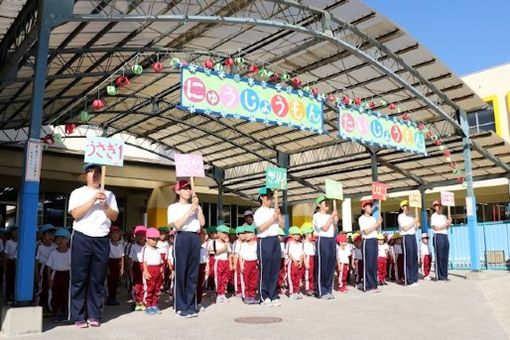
column 341, row 47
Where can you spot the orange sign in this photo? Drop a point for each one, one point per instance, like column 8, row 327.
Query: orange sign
column 379, row 191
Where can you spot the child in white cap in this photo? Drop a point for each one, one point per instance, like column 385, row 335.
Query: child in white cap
column 426, row 257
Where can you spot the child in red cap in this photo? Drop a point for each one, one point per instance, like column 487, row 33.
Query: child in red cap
column 136, row 267
column 343, row 253
column 115, row 265
column 426, row 257
column 152, row 272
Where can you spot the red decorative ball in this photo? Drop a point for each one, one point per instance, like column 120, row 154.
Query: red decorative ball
column 228, row 62
column 392, row 106
column 429, row 134
column 275, row 78
column 157, row 67
column 460, row 179
column 453, row 165
column 346, row 100
column 437, row 142
column 295, row 83
column 315, row 91
column 357, row 101
column 253, row 69
column 122, row 81
column 331, row 98
column 405, row 116
column 69, row 128
column 209, row 64
column 98, row 104
column 48, row 139
column 371, row 105
column 447, row 153
column 421, row 126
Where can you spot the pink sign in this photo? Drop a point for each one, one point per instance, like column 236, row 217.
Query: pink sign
column 188, row 165
column 447, row 199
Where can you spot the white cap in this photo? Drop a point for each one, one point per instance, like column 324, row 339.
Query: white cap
column 248, row 213
column 424, row 235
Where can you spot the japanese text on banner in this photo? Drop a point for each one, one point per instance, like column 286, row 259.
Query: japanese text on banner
column 104, row 151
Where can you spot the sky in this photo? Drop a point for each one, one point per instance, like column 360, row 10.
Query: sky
column 467, row 35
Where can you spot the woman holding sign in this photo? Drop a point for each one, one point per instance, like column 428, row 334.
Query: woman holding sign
column 369, row 226
column 440, row 224
column 408, row 225
column 324, row 225
column 268, row 221
column 93, row 211
column 187, row 217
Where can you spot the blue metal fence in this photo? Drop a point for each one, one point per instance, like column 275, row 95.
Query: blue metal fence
column 493, row 242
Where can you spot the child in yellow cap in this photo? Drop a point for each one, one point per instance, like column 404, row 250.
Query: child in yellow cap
column 382, row 254
column 309, row 258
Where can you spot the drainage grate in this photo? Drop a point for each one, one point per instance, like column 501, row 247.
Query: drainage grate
column 258, row 319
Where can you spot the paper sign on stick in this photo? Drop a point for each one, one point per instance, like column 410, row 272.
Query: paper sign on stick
column 276, row 178
column 188, row 165
column 334, row 190
column 415, row 200
column 104, row 151
column 379, row 191
column 447, row 199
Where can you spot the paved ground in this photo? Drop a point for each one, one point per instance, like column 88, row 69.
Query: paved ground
column 460, row 309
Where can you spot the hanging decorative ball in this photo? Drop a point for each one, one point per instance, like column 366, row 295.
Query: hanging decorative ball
column 346, row 100
column 331, row 98
column 460, row 179
column 174, row 62
column 48, row 139
column 218, row 67
column 405, row 116
column 447, row 153
column 275, row 78
column 58, row 138
column 157, row 67
column 429, row 134
column 285, row 77
column 315, row 91
column 137, row 69
column 437, row 142
column 122, row 81
column 392, row 106
column 239, row 60
column 111, row 90
column 421, row 126
column 209, row 64
column 295, row 82
column 84, row 116
column 229, row 62
column 371, row 104
column 306, row 89
column 253, row 69
column 263, row 73
column 98, row 104
column 357, row 101
column 453, row 165
column 69, row 128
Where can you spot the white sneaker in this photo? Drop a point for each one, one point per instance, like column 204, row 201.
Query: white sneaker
column 293, row 297
column 427, row 278
column 415, row 284
column 276, row 303
column 219, row 299
column 267, row 303
column 300, row 295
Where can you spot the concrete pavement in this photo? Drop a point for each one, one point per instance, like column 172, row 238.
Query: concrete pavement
column 460, row 309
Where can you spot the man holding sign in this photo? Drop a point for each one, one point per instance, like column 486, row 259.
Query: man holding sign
column 93, row 211
column 440, row 224
column 407, row 225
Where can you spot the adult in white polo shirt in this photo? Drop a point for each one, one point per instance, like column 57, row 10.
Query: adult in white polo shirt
column 187, row 218
column 268, row 221
column 93, row 211
column 440, row 224
column 324, row 225
column 408, row 224
column 369, row 226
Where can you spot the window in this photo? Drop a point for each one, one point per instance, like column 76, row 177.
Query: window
column 482, row 120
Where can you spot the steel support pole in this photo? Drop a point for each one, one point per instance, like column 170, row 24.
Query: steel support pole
column 424, row 221
column 470, row 194
column 219, row 177
column 51, row 13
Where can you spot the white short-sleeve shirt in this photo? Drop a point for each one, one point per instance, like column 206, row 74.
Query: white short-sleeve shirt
column 204, row 256
column 261, row 216
column 405, row 220
column 357, row 254
column 116, row 251
column 424, row 249
column 342, row 255
column 151, row 256
column 397, row 249
column 136, row 253
column 295, row 250
column 94, row 223
column 177, row 210
column 11, row 249
column 319, row 220
column 438, row 220
column 309, row 248
column 59, row 261
column 366, row 222
column 248, row 251
column 382, row 250
column 43, row 252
